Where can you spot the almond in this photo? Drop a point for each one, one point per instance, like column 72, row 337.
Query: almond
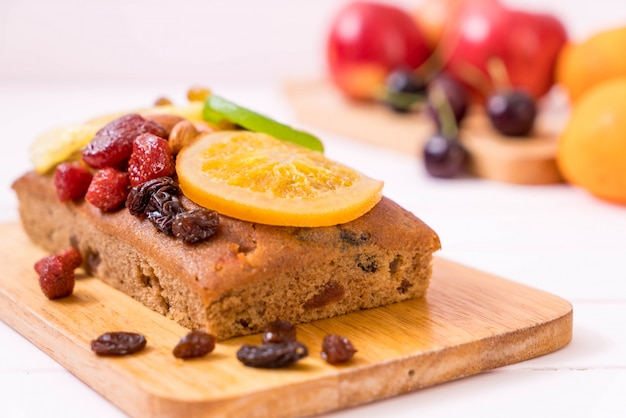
column 167, row 120
column 182, row 134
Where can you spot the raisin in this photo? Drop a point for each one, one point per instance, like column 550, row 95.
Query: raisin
column 279, row 331
column 197, row 343
column 151, row 158
column 162, row 101
column 71, row 180
column 271, row 356
column 56, row 276
column 195, row 226
column 139, row 196
column 113, row 144
column 337, row 349
column 108, row 189
column 162, row 210
column 119, row 343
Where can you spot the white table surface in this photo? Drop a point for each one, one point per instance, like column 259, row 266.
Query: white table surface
column 555, row 238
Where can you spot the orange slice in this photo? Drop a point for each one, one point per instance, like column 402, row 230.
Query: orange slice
column 258, row 178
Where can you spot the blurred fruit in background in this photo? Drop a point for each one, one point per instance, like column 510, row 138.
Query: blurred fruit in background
column 432, row 16
column 527, row 43
column 599, row 57
column 367, row 41
column 592, row 148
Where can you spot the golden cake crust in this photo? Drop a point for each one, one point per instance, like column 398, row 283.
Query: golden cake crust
column 247, row 274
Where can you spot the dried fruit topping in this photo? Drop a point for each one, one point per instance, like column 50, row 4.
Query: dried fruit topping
column 271, row 356
column 71, row 180
column 108, row 189
column 151, row 158
column 56, row 273
column 157, row 199
column 140, row 195
column 113, row 144
column 196, row 343
column 279, row 331
column 118, row 343
column 195, row 226
column 162, row 209
column 337, row 349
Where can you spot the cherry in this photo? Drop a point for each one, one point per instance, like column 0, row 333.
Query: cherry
column 444, row 157
column 512, row 112
column 403, row 88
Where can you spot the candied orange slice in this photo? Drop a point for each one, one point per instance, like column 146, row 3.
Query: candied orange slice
column 258, row 178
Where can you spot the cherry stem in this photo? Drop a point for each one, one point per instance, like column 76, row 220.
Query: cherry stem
column 499, row 74
column 445, row 113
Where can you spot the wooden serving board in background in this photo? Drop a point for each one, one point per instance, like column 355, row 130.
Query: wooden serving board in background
column 469, row 322
column 520, row 161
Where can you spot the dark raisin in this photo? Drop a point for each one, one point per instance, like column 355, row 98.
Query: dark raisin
column 118, row 343
column 162, row 210
column 367, row 263
column 337, row 349
column 197, row 343
column 140, row 195
column 279, row 331
column 354, row 238
column 271, row 356
column 195, row 226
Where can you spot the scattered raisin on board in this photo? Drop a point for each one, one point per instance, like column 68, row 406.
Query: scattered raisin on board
column 196, row 343
column 118, row 343
column 337, row 349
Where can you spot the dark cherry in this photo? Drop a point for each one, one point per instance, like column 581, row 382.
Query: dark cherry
column 444, row 157
column 512, row 112
column 403, row 88
column 444, row 91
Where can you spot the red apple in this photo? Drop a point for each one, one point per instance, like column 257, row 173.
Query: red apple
column 527, row 44
column 367, row 41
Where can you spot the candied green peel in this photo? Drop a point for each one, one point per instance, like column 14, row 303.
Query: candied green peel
column 217, row 109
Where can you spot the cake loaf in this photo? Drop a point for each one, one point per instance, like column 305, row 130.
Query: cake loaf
column 249, row 273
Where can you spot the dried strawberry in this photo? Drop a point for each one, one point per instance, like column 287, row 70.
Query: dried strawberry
column 71, row 257
column 56, row 277
column 113, row 144
column 151, row 158
column 108, row 189
column 71, row 180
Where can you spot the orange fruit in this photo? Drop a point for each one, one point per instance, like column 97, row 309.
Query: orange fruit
column 596, row 59
column 592, row 148
column 258, row 178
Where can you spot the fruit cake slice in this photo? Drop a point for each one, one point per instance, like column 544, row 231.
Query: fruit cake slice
column 245, row 273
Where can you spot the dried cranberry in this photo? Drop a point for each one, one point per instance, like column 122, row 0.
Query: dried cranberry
column 151, row 158
column 113, row 144
column 279, row 331
column 71, row 180
column 197, row 343
column 271, row 356
column 56, row 278
column 108, row 189
column 337, row 349
column 118, row 343
column 195, row 226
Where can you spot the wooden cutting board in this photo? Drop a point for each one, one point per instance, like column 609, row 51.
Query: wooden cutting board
column 469, row 322
column 519, row 161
